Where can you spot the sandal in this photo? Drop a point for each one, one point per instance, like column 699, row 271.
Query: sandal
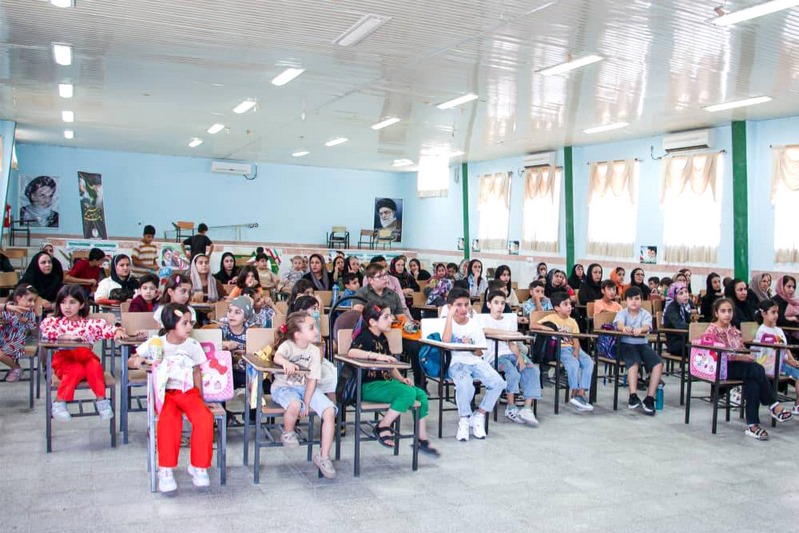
column 757, row 432
column 424, row 447
column 782, row 416
column 380, row 435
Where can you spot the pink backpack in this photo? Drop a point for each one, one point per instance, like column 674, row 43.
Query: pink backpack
column 217, row 374
column 767, row 357
column 704, row 359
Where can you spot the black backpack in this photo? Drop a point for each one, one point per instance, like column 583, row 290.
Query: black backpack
column 545, row 347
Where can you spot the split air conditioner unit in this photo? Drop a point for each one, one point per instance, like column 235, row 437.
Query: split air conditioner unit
column 227, row 167
column 538, row 160
column 686, row 141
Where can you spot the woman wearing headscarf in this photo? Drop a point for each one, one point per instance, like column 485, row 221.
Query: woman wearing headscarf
column 713, row 291
column 577, row 276
column 46, row 276
column 677, row 316
column 228, row 271
column 120, row 278
column 787, row 302
column 638, row 279
column 406, row 280
column 759, row 289
column 591, row 288
column 737, row 291
column 556, row 282
column 320, row 278
column 205, row 287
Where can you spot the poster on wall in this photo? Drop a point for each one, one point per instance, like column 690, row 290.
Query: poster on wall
column 91, row 205
column 461, row 244
column 388, row 215
column 172, row 257
column 38, row 200
column 649, row 255
column 513, row 247
column 475, row 245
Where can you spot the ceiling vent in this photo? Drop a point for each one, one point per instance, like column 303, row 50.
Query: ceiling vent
column 227, row 167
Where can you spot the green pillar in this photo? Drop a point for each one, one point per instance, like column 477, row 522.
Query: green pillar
column 467, row 245
column 568, row 175
column 740, row 202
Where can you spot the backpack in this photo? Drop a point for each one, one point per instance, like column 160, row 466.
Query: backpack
column 545, row 347
column 346, row 386
column 704, row 359
column 430, row 358
column 606, row 344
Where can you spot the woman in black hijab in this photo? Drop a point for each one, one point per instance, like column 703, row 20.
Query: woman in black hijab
column 742, row 311
column 46, row 276
column 228, row 273
column 577, row 276
column 713, row 292
column 637, row 279
column 591, row 287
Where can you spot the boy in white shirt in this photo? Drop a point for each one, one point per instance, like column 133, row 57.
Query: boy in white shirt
column 466, row 366
column 517, row 368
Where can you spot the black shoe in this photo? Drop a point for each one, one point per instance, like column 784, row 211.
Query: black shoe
column 649, row 406
column 634, row 403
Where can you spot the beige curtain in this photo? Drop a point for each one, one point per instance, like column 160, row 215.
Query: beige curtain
column 493, row 204
column 612, row 199
column 784, row 169
column 690, row 194
column 541, row 209
column 432, row 179
column 784, row 196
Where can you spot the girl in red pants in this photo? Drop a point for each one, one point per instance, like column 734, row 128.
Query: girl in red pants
column 69, row 323
column 178, row 382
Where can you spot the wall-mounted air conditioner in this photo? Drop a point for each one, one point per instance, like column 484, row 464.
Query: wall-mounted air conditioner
column 685, row 141
column 227, row 167
column 537, row 160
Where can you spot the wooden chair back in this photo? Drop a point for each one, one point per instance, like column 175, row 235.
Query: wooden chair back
column 344, row 341
column 325, row 296
column 259, row 338
column 220, row 309
column 9, row 280
column 228, row 288
column 522, row 294
column 423, row 284
column 184, row 225
column 278, row 320
column 605, row 317
column 208, row 335
column 419, row 298
column 124, row 307
column 590, row 309
column 108, row 317
column 282, row 308
column 696, row 330
column 535, row 316
column 133, row 322
column 339, row 229
column 748, row 331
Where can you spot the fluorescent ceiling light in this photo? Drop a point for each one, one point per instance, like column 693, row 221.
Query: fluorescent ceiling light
column 245, row 106
column 300, row 153
column 457, row 101
column 62, row 53
column 68, row 116
column 361, row 30
column 455, row 154
column 402, row 163
column 570, row 65
column 737, row 103
column 607, row 127
column 286, row 76
column 216, row 128
column 385, row 124
column 65, row 90
column 749, row 13
column 69, row 134
column 63, row 3
column 334, row 142
column 195, row 143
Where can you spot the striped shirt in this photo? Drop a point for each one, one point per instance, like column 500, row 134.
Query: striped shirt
column 146, row 253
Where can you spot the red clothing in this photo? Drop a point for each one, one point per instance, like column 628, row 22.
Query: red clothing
column 74, row 366
column 84, row 270
column 170, row 427
column 140, row 305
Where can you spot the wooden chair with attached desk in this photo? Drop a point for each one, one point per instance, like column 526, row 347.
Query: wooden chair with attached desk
column 560, row 376
column 132, row 378
column 681, row 359
column 360, row 407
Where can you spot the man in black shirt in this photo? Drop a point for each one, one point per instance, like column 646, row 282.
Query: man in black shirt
column 200, row 243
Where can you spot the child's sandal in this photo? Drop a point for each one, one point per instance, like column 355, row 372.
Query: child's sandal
column 424, row 447
column 782, row 416
column 757, row 432
column 382, row 438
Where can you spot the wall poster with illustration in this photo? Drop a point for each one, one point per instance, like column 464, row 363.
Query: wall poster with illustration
column 91, row 205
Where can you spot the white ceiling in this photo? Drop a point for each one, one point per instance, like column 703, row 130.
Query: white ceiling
column 150, row 75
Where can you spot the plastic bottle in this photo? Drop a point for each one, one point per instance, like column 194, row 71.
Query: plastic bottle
column 156, row 350
column 659, row 397
column 334, row 299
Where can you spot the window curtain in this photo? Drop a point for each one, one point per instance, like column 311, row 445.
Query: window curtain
column 432, row 179
column 541, row 209
column 785, row 198
column 612, row 208
column 494, row 208
column 690, row 195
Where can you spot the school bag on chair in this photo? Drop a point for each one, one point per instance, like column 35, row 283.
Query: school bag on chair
column 704, row 359
column 606, row 344
column 767, row 357
column 217, row 372
column 545, row 347
column 431, row 358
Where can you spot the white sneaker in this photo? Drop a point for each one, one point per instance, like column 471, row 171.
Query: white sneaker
column 795, row 410
column 104, row 409
column 60, row 411
column 477, row 421
column 166, row 481
column 199, row 476
column 463, row 429
column 512, row 413
column 528, row 417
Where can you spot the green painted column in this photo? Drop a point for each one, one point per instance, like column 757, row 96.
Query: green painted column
column 467, row 245
column 568, row 175
column 740, row 201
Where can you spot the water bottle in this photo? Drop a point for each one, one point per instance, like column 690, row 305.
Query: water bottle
column 156, row 350
column 659, row 397
column 334, row 299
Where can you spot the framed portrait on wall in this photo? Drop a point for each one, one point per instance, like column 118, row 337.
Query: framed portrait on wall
column 39, row 199
column 388, row 215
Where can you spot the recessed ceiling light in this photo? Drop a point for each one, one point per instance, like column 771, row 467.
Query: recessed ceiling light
column 69, row 134
column 334, row 142
column 569, row 65
column 63, row 3
column 65, row 90
column 385, row 124
column 68, row 116
column 361, row 30
column 286, row 76
column 245, row 106
column 194, row 143
column 749, row 13
column 62, row 54
column 607, row 127
column 458, row 101
column 402, row 163
column 216, row 128
column 737, row 103
column 301, row 153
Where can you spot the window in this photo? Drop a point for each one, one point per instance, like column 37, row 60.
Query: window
column 785, row 198
column 493, row 205
column 691, row 200
column 612, row 215
column 541, row 209
column 432, row 179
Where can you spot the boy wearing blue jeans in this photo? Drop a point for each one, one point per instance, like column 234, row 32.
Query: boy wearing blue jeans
column 634, row 349
column 578, row 365
column 466, row 366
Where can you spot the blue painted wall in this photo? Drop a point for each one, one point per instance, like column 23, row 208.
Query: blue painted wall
column 7, row 131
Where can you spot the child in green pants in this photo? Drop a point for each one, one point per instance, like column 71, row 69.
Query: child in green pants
column 387, row 387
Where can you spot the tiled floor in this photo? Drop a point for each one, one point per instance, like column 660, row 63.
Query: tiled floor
column 604, row 471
